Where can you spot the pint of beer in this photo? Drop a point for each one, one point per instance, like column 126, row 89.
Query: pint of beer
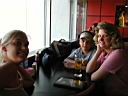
column 78, row 65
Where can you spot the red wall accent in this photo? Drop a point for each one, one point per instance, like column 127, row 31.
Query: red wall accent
column 125, row 33
column 93, row 7
column 108, row 19
column 108, row 8
column 103, row 10
column 91, row 20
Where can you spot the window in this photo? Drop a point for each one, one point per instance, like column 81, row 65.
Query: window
column 25, row 15
column 42, row 20
column 60, row 16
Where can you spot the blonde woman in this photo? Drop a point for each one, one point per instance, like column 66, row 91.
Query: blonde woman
column 14, row 50
column 109, row 65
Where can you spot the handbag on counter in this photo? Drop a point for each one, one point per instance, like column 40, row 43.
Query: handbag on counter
column 61, row 48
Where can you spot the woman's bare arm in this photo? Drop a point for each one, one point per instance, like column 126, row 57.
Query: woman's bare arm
column 92, row 64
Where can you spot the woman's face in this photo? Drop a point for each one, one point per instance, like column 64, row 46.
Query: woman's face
column 17, row 50
column 104, row 40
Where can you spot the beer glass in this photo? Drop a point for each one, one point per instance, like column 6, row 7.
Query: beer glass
column 78, row 65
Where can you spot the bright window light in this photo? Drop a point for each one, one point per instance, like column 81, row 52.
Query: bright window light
column 25, row 15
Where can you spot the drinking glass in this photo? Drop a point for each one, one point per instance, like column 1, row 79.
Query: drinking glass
column 83, row 69
column 78, row 65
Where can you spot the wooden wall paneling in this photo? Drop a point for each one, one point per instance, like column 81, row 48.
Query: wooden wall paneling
column 104, row 10
column 118, row 2
column 108, row 19
column 108, row 7
column 125, row 33
column 121, row 2
column 91, row 20
column 93, row 7
column 121, row 30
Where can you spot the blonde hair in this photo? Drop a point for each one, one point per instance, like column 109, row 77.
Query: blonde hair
column 8, row 37
column 112, row 31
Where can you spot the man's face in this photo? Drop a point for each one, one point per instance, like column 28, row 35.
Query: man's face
column 85, row 44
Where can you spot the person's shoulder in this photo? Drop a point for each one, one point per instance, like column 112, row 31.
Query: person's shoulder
column 78, row 49
column 120, row 52
column 74, row 51
column 5, row 64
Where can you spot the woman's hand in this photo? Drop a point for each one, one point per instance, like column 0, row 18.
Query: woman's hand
column 99, row 49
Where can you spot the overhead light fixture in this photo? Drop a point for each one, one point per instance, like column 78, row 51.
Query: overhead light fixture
column 126, row 6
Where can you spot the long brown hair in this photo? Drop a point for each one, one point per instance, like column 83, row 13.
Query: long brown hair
column 113, row 32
